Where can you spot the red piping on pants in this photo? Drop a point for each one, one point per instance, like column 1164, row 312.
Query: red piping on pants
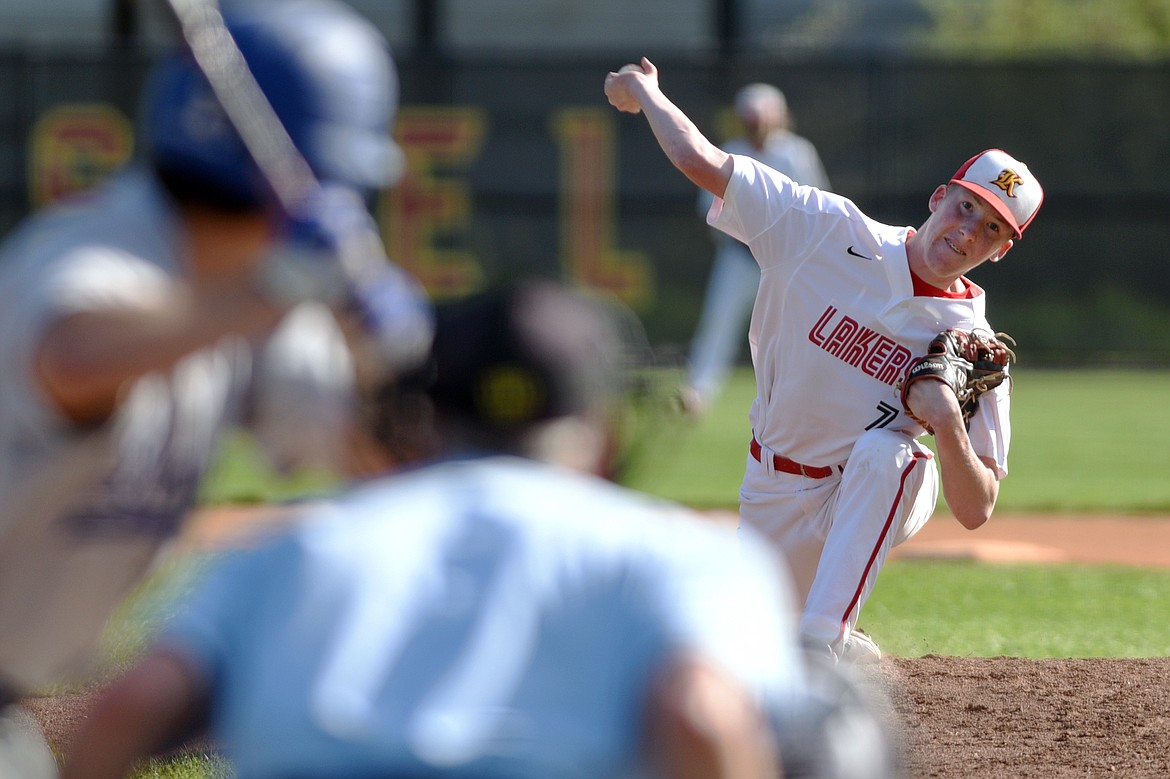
column 882, row 536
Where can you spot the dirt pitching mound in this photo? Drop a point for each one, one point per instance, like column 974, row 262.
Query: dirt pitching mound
column 1007, row 718
column 991, row 718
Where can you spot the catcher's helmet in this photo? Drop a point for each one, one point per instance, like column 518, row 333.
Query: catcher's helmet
column 329, row 76
column 511, row 357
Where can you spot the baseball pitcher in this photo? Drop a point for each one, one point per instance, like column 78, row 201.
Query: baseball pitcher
column 864, row 336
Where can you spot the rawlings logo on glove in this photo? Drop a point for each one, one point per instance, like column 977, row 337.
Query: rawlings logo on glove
column 970, row 363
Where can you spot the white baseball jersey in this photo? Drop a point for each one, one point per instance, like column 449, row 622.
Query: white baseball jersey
column 83, row 511
column 488, row 617
column 836, row 322
column 791, row 154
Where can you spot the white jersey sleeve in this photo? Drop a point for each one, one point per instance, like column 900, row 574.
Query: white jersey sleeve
column 759, row 198
column 991, row 428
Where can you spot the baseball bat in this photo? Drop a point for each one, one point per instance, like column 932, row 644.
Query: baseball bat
column 391, row 304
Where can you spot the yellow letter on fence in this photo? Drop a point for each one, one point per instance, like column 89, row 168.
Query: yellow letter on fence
column 427, row 207
column 587, row 210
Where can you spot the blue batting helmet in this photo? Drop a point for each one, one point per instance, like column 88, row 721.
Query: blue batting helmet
column 329, row 76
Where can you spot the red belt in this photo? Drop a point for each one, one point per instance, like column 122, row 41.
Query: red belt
column 791, row 466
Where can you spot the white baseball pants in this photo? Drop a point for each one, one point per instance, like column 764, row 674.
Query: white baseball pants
column 837, row 532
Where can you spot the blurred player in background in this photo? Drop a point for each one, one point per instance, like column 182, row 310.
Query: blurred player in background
column 143, row 320
column 836, row 474
column 762, row 111
column 498, row 611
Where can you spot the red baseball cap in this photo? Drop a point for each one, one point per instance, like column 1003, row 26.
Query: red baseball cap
column 1005, row 183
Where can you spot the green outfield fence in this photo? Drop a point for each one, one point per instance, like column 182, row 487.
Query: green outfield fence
column 519, row 166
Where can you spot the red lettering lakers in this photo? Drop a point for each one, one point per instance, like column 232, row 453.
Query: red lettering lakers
column 864, row 348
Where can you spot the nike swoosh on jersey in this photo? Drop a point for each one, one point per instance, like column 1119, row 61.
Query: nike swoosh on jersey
column 855, row 254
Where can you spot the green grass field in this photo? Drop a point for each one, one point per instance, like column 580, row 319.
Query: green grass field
column 1082, row 442
column 1093, row 442
column 972, row 610
column 1087, row 442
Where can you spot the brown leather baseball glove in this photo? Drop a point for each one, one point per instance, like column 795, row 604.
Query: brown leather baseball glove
column 970, row 363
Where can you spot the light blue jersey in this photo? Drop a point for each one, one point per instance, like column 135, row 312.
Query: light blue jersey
column 484, row 617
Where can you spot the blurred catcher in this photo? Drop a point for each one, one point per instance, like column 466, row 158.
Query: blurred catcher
column 180, row 300
column 498, row 610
